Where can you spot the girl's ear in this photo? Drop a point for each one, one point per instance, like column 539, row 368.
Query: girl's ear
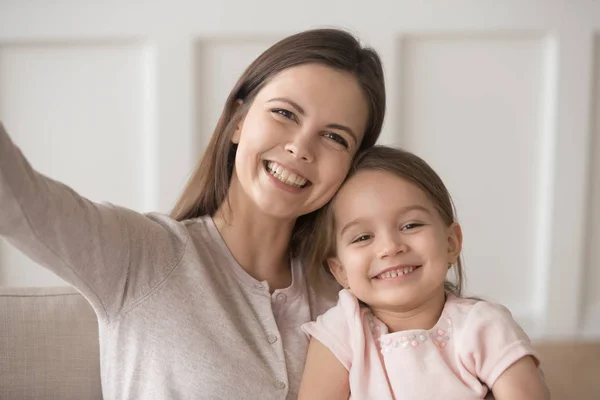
column 455, row 238
column 338, row 271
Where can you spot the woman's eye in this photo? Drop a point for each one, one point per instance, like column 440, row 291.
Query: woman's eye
column 337, row 138
column 361, row 238
column 284, row 113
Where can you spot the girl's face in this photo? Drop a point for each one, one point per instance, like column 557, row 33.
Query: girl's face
column 297, row 141
column 393, row 248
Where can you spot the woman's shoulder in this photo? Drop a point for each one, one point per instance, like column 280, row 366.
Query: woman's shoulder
column 184, row 230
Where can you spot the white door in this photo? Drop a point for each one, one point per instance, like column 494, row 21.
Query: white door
column 117, row 99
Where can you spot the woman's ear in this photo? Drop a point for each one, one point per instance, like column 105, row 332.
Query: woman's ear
column 455, row 239
column 238, row 129
column 338, row 271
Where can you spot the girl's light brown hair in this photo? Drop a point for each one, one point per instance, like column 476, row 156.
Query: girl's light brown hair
column 405, row 165
column 208, row 186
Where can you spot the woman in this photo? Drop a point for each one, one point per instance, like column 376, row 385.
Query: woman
column 207, row 303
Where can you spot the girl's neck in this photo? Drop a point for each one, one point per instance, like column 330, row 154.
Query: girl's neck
column 424, row 315
column 259, row 243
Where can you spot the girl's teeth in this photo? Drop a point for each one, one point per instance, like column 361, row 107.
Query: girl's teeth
column 396, row 273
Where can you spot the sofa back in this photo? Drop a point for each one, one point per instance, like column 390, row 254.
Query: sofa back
column 48, row 345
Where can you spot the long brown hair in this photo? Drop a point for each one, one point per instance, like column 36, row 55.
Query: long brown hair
column 208, row 186
column 401, row 163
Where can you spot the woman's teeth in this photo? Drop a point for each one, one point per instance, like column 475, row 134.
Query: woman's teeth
column 285, row 176
column 395, row 273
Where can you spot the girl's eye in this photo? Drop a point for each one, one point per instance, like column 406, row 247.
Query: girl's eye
column 410, row 226
column 361, row 238
column 337, row 138
column 284, row 113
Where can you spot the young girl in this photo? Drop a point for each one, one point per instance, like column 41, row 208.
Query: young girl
column 400, row 330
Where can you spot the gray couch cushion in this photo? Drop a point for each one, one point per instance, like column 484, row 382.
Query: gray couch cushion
column 48, row 345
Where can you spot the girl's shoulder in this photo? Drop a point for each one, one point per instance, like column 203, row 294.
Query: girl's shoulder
column 344, row 312
column 468, row 304
column 475, row 315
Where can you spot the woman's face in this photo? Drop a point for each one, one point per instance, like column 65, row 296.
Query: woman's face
column 297, row 141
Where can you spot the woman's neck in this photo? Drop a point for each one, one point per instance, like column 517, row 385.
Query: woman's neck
column 419, row 316
column 259, row 244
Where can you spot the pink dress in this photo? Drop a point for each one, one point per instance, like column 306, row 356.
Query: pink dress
column 469, row 347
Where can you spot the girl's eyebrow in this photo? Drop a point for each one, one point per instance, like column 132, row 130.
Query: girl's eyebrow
column 350, row 225
column 403, row 210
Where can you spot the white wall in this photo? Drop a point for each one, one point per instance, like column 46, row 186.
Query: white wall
column 591, row 300
column 117, row 99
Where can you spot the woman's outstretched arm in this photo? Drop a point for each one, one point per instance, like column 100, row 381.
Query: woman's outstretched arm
column 111, row 254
